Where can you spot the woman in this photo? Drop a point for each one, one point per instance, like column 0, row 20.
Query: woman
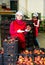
column 36, row 28
column 18, row 28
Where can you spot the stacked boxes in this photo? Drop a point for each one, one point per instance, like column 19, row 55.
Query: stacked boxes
column 10, row 52
column 10, row 48
column 10, row 60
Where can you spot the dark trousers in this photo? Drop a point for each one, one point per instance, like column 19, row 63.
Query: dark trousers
column 29, row 40
column 36, row 44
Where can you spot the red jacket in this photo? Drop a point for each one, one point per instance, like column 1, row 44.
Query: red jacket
column 14, row 26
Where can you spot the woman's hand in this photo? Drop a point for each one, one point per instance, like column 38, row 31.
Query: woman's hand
column 34, row 24
column 19, row 31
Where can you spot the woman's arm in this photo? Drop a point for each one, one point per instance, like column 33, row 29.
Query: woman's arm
column 12, row 28
column 37, row 25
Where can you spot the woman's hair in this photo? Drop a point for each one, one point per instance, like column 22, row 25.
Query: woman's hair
column 35, row 17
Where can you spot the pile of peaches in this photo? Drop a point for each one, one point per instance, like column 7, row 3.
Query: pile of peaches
column 35, row 51
column 39, row 51
column 10, row 40
column 32, row 57
column 25, row 60
column 39, row 60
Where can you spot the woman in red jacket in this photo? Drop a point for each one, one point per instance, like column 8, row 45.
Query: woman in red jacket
column 17, row 29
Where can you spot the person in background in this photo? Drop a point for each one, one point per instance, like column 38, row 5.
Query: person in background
column 36, row 22
column 18, row 29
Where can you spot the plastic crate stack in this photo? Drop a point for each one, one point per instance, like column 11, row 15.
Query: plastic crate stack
column 4, row 28
column 0, row 59
column 10, row 51
column 9, row 60
column 10, row 48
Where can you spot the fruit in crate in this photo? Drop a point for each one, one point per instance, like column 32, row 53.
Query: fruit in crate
column 41, row 60
column 38, row 60
column 44, row 60
column 20, row 60
column 42, row 52
column 1, row 50
column 31, row 60
column 9, row 40
column 5, row 40
column 30, row 52
column 26, row 52
column 24, row 60
column 36, row 51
